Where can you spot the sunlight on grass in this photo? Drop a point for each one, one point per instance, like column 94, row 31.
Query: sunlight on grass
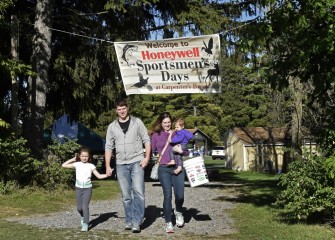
column 30, row 201
column 10, row 230
column 254, row 215
column 262, row 223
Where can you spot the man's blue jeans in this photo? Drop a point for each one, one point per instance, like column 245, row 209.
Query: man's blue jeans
column 131, row 182
column 168, row 180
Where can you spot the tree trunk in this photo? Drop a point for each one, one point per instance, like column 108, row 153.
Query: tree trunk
column 15, row 57
column 296, row 91
column 38, row 84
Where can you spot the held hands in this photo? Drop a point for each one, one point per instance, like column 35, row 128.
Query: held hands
column 109, row 171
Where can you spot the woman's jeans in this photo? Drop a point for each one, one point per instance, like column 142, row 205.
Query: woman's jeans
column 168, row 180
column 131, row 182
column 83, row 198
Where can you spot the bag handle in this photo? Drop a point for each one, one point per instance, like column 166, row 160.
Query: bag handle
column 167, row 143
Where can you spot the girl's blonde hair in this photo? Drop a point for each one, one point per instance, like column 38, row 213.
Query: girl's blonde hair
column 181, row 122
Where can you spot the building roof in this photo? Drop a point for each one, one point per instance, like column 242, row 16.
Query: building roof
column 267, row 135
column 194, row 131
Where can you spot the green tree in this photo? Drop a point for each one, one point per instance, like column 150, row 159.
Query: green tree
column 302, row 47
column 38, row 84
column 83, row 80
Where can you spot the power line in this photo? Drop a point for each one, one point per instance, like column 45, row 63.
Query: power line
column 80, row 35
column 74, row 34
column 242, row 25
column 104, row 40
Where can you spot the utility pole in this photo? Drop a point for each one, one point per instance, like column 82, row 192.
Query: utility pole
column 15, row 57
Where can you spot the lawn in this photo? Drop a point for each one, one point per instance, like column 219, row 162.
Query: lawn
column 254, row 215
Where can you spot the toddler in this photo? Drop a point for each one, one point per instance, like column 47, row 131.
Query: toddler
column 182, row 137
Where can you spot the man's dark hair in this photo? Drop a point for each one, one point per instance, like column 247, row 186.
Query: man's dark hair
column 121, row 102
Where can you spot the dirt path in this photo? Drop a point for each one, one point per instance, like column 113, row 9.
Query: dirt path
column 205, row 213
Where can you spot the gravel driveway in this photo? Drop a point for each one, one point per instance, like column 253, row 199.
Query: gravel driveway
column 204, row 215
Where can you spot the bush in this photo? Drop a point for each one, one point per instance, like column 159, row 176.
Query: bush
column 7, row 188
column 52, row 175
column 18, row 168
column 16, row 163
column 309, row 193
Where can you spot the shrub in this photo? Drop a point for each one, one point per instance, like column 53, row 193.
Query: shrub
column 309, row 193
column 7, row 188
column 51, row 174
column 16, row 163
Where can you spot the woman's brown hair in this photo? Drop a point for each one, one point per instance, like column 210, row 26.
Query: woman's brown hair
column 157, row 127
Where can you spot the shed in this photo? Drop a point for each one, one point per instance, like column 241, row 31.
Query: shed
column 199, row 139
column 65, row 127
column 257, row 148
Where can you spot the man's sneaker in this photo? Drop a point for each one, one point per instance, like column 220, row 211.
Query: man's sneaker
column 179, row 219
column 128, row 226
column 84, row 228
column 81, row 221
column 169, row 227
column 136, row 229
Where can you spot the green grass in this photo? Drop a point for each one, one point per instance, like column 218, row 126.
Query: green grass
column 255, row 215
column 31, row 201
column 252, row 193
column 260, row 222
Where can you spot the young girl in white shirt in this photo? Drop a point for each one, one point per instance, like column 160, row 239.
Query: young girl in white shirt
column 84, row 170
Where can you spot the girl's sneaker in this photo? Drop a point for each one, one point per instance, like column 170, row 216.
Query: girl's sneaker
column 81, row 221
column 84, row 228
column 169, row 227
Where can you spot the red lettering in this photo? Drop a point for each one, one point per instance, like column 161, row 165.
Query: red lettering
column 146, row 55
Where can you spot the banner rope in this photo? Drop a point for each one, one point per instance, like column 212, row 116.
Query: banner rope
column 104, row 40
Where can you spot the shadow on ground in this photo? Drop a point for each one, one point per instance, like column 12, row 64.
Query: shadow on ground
column 102, row 218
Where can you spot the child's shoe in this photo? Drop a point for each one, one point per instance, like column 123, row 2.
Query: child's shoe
column 172, row 162
column 84, row 228
column 81, row 221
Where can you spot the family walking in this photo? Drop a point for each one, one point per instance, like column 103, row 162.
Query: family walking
column 125, row 138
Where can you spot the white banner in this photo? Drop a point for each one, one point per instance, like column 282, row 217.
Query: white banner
column 178, row 65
